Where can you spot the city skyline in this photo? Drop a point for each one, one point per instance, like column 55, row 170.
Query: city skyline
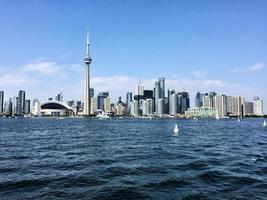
column 185, row 55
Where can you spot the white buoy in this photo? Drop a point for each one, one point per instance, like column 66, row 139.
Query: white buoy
column 264, row 123
column 176, row 129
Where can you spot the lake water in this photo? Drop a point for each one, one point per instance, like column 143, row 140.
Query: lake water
column 132, row 159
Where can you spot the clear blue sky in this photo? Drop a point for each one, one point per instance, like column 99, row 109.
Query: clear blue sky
column 194, row 40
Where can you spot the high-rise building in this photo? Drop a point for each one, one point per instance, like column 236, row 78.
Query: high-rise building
column 161, row 103
column 87, row 61
column 173, row 104
column 92, row 92
column 59, row 97
column 156, row 95
column 21, row 102
column 134, row 108
column 15, row 106
column 129, row 98
column 27, row 106
column 107, row 107
column 148, row 94
column 249, row 109
column 183, row 102
column 1, row 101
column 100, row 100
column 220, row 105
column 258, row 106
column 93, row 105
column 8, row 107
column 139, row 89
column 149, row 106
column 170, row 92
column 161, row 87
column 199, row 100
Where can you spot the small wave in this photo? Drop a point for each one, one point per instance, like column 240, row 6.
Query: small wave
column 129, row 193
column 168, row 183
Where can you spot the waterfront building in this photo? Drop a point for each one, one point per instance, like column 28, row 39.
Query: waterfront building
column 36, row 108
column 21, row 102
column 93, row 105
column 144, row 107
column 258, row 106
column 207, row 102
column 134, row 108
column 183, row 102
column 161, row 103
column 149, row 106
column 199, row 100
column 87, row 61
column 15, row 106
column 129, row 98
column 220, row 105
column 107, row 107
column 120, row 109
column 203, row 112
column 235, row 106
column 156, row 95
column 27, row 106
column 100, row 100
column 53, row 108
column 249, row 108
column 1, row 101
column 8, row 107
column 170, row 92
column 173, row 103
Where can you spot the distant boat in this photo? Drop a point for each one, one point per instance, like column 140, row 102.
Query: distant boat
column 103, row 116
column 176, row 129
column 264, row 123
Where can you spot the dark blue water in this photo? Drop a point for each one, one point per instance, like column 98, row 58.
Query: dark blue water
column 132, row 159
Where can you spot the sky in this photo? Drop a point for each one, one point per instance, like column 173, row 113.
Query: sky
column 201, row 46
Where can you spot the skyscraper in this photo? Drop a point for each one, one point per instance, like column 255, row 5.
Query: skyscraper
column 161, row 87
column 183, row 102
column 100, row 100
column 1, row 101
column 27, row 106
column 220, row 105
column 156, row 95
column 87, row 61
column 199, row 99
column 21, row 102
column 139, row 89
column 129, row 98
column 173, row 104
column 258, row 106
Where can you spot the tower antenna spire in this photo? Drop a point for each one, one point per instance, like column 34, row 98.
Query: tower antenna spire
column 87, row 44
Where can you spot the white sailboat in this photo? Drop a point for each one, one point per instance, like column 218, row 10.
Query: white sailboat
column 264, row 123
column 176, row 129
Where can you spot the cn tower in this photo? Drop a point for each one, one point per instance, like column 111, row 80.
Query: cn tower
column 87, row 61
